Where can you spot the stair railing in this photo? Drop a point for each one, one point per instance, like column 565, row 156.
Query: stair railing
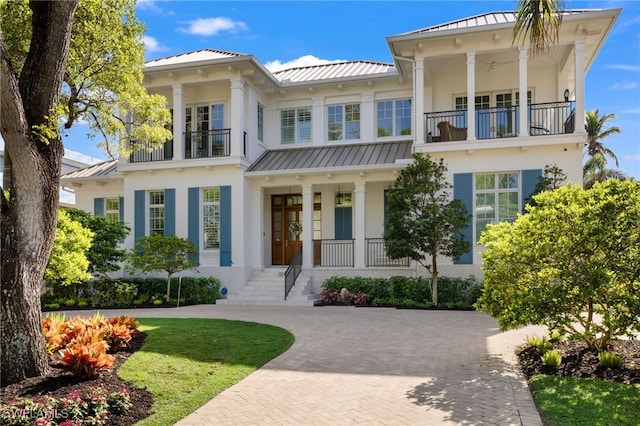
column 292, row 272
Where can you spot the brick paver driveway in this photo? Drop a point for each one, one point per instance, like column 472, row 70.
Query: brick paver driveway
column 373, row 366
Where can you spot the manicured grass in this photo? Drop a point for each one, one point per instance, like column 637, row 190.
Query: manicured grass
column 568, row 401
column 186, row 362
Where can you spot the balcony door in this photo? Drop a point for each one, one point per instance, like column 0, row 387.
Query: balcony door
column 200, row 121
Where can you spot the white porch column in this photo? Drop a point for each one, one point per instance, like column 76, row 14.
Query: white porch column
column 307, row 225
column 471, row 96
column 418, row 96
column 360, row 225
column 237, row 117
column 523, row 116
column 178, row 121
column 578, row 59
column 257, row 222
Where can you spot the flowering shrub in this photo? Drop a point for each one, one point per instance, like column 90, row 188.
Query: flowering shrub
column 73, row 410
column 343, row 297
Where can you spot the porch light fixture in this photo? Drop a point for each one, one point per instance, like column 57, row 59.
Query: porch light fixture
column 339, row 197
column 566, row 95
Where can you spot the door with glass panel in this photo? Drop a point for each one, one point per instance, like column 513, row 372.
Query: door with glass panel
column 286, row 225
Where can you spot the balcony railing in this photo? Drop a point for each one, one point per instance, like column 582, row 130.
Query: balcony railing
column 141, row 154
column 207, row 144
column 377, row 255
column 551, row 118
column 336, row 253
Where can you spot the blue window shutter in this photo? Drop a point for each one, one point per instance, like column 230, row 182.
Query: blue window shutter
column 225, row 226
column 98, row 206
column 169, row 212
column 121, row 208
column 138, row 217
column 343, row 224
column 529, row 181
column 463, row 191
column 193, row 216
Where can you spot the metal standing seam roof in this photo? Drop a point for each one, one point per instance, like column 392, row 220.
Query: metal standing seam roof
column 97, row 170
column 195, row 56
column 333, row 71
column 321, row 157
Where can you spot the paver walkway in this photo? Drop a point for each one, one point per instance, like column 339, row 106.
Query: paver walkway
column 374, row 366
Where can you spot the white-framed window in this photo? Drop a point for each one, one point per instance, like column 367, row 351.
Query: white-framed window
column 497, row 199
column 343, row 122
column 260, row 123
column 112, row 209
column 211, row 218
column 156, row 212
column 295, row 126
column 394, row 117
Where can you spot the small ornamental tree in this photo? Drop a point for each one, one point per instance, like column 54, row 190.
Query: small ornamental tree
column 423, row 222
column 572, row 263
column 68, row 263
column 163, row 253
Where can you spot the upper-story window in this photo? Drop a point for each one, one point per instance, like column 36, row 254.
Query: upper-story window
column 156, row 212
column 295, row 125
column 203, row 118
column 394, row 117
column 343, row 122
column 112, row 209
column 496, row 199
column 260, row 123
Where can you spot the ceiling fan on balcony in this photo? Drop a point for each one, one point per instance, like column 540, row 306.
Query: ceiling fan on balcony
column 494, row 64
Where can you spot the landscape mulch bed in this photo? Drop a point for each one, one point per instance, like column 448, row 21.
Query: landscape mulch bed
column 58, row 383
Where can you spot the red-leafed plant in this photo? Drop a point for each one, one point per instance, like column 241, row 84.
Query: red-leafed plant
column 86, row 360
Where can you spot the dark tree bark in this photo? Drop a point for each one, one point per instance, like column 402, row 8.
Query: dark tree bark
column 30, row 188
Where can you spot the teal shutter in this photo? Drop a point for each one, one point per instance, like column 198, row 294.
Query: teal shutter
column 98, row 206
column 169, row 212
column 193, row 216
column 343, row 224
column 463, row 191
column 530, row 179
column 138, row 216
column 121, row 208
column 225, row 226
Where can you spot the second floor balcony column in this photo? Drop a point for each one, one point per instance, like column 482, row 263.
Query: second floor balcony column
column 178, row 121
column 418, row 88
column 360, row 225
column 237, row 117
column 471, row 96
column 579, row 89
column 307, row 226
column 523, row 118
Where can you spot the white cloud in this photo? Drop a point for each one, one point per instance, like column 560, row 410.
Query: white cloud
column 632, row 111
column 150, row 5
column 152, row 45
column 634, row 68
column 635, row 157
column 624, row 85
column 303, row 61
column 213, row 26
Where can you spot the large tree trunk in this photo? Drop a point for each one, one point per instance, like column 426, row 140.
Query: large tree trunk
column 30, row 188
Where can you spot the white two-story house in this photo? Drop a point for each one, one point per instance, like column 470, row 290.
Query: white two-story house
column 270, row 170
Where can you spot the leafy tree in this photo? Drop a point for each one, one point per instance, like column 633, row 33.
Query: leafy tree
column 422, row 221
column 105, row 254
column 101, row 72
column 596, row 132
column 571, row 264
column 171, row 254
column 68, row 263
column 552, row 178
column 539, row 21
column 595, row 170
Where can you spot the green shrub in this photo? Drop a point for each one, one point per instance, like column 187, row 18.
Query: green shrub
column 52, row 306
column 610, row 359
column 540, row 343
column 82, row 303
column 70, row 303
column 552, row 358
column 157, row 302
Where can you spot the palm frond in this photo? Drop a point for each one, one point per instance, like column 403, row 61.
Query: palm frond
column 539, row 21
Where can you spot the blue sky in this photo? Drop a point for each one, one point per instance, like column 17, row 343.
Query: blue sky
column 291, row 33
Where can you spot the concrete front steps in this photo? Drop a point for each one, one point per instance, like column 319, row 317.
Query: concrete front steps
column 266, row 287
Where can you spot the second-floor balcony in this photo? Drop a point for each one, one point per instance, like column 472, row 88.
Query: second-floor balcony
column 552, row 118
column 200, row 144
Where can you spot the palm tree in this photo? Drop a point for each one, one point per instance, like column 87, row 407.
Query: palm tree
column 540, row 20
column 595, row 170
column 595, row 128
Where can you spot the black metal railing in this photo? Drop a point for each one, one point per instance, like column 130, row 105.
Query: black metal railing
column 333, row 252
column 141, row 154
column 549, row 118
column 376, row 254
column 292, row 273
column 207, row 144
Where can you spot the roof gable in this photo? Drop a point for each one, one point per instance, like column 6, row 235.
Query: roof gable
column 195, row 56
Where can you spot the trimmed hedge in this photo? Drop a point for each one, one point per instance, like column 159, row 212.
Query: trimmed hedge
column 453, row 293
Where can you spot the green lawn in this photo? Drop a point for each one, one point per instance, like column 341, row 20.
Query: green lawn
column 569, row 401
column 186, row 362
